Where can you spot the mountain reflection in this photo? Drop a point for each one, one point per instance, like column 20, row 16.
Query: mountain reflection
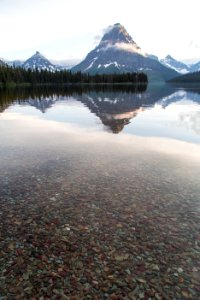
column 114, row 106
column 115, row 109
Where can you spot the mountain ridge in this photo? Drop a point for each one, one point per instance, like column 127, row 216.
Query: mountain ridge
column 117, row 52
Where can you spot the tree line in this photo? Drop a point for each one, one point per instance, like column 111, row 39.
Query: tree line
column 18, row 75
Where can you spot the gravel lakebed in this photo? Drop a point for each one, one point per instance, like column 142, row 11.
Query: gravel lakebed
column 99, row 229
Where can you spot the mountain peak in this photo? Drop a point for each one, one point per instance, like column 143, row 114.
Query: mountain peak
column 38, row 54
column 117, row 34
column 118, row 53
column 117, row 24
column 172, row 63
column 38, row 61
column 117, row 38
column 169, row 57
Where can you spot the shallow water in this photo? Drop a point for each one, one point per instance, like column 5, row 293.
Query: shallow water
column 100, row 194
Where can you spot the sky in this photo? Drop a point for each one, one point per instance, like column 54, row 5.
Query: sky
column 69, row 29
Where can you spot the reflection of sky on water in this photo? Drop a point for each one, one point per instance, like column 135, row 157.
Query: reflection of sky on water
column 33, row 132
column 70, row 111
column 177, row 120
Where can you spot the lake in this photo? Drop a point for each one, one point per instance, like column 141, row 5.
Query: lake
column 100, row 193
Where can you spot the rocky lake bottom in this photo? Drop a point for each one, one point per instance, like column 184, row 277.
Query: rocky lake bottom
column 86, row 214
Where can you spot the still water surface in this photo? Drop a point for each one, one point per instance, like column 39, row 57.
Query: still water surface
column 121, row 171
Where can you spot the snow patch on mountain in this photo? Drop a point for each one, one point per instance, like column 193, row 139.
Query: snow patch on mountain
column 40, row 62
column 111, row 63
column 91, row 64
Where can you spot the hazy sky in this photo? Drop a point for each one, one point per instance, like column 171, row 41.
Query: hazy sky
column 62, row 29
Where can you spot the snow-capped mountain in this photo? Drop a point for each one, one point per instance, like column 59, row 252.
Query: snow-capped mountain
column 117, row 52
column 40, row 62
column 172, row 63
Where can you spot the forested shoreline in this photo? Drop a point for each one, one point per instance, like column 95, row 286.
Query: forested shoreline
column 189, row 78
column 11, row 76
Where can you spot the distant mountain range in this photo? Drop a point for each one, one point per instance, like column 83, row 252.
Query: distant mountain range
column 40, row 62
column 179, row 66
column 117, row 52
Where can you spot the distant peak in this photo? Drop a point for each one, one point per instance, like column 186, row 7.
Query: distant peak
column 169, row 57
column 117, row 24
column 116, row 34
column 38, row 55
